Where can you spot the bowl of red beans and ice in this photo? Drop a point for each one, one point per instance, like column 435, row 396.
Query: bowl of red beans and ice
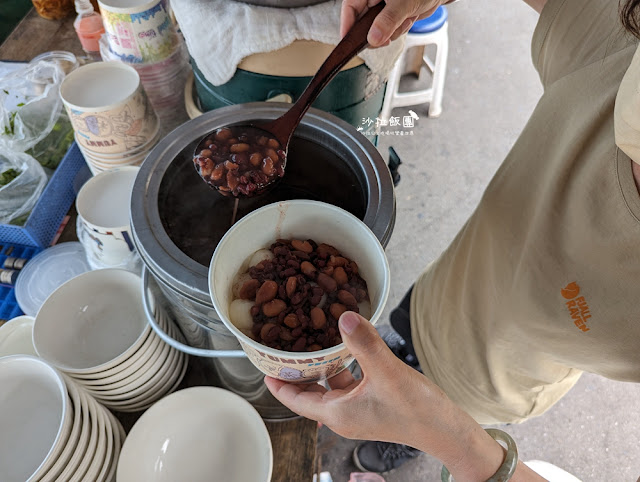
column 283, row 275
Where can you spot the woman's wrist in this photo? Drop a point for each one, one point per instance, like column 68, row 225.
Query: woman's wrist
column 456, row 439
column 478, row 458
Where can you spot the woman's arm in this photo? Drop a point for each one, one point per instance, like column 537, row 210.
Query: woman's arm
column 395, row 403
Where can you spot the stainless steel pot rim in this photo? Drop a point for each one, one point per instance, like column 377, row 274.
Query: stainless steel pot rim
column 168, row 263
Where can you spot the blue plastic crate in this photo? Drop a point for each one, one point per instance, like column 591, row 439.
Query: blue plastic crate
column 53, row 204
column 8, row 305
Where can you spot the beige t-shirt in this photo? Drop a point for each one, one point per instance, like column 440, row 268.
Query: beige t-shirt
column 543, row 281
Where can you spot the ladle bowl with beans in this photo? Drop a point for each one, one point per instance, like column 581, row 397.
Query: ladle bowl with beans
column 240, row 161
column 281, row 277
column 243, row 161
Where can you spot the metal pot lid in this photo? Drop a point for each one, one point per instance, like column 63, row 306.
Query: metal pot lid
column 189, row 277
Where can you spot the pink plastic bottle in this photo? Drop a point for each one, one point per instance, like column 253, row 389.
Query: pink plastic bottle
column 89, row 27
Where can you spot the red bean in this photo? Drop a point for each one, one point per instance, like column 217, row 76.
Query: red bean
column 318, row 318
column 286, row 314
column 340, row 276
column 249, row 289
column 327, row 283
column 266, row 292
column 290, row 288
column 273, row 308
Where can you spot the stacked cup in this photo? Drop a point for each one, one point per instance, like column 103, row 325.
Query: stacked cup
column 114, row 122
column 94, row 329
column 141, row 34
column 50, row 429
column 103, row 206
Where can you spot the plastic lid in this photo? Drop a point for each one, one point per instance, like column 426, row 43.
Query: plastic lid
column 46, row 272
column 83, row 6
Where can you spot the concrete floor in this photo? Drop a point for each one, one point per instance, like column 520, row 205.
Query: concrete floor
column 491, row 89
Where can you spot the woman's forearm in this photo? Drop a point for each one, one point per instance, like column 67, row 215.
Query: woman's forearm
column 464, row 447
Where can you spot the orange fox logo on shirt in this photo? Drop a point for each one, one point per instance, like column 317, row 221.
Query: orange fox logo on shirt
column 577, row 305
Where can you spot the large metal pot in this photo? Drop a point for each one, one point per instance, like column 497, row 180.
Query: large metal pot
column 177, row 221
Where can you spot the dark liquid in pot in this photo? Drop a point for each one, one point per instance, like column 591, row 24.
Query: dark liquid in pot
column 196, row 217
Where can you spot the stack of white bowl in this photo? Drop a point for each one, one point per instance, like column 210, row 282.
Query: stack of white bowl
column 94, row 329
column 50, row 429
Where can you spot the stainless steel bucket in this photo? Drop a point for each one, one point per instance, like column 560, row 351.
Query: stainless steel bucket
column 177, row 222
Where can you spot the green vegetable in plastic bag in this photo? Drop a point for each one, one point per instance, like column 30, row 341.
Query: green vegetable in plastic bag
column 52, row 149
column 9, row 175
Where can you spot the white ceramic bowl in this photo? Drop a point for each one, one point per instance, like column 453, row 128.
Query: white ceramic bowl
column 298, row 219
column 16, row 337
column 200, row 433
column 92, row 322
column 98, row 460
column 78, row 475
column 149, row 348
column 74, row 438
column 35, row 415
column 166, row 360
column 119, row 436
column 127, row 371
column 155, row 394
column 82, row 447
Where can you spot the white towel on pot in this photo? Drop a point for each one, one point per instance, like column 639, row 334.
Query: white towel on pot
column 220, row 33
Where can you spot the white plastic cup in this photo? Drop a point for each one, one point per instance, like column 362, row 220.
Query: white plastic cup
column 139, row 30
column 103, row 206
column 108, row 107
column 298, row 219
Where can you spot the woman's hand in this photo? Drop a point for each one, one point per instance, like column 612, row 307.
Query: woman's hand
column 395, row 403
column 395, row 19
column 378, row 407
column 392, row 402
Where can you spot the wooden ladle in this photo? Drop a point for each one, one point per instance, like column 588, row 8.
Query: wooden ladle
column 223, row 166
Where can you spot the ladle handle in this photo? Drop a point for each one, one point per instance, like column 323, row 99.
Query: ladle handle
column 353, row 43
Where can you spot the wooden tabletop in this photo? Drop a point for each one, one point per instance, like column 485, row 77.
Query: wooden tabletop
column 294, row 441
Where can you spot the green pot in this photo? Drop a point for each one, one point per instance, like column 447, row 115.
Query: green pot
column 342, row 97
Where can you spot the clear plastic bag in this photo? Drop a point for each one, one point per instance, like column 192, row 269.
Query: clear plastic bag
column 30, row 108
column 30, row 105
column 24, row 179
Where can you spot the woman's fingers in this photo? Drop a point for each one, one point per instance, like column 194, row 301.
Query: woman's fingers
column 393, row 21
column 304, row 399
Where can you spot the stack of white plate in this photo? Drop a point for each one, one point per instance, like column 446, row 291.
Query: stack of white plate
column 94, row 329
column 50, row 429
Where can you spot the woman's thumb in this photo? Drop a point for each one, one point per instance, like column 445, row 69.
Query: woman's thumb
column 363, row 341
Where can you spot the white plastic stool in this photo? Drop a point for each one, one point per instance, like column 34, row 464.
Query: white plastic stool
column 429, row 31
